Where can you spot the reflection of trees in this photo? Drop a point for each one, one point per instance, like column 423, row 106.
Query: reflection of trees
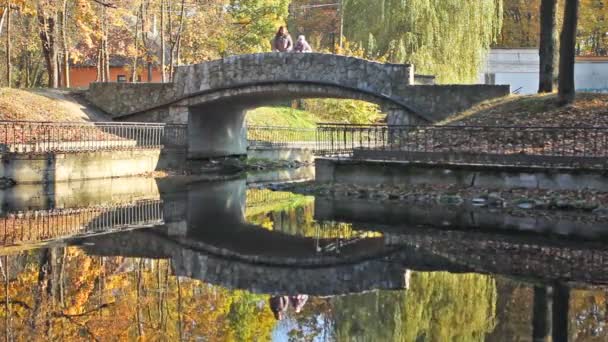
column 374, row 316
column 589, row 315
column 437, row 307
column 63, row 294
column 514, row 311
column 449, row 307
column 293, row 214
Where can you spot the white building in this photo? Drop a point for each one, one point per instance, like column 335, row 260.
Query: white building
column 520, row 67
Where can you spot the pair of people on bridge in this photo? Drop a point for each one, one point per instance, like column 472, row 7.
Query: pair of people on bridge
column 283, row 43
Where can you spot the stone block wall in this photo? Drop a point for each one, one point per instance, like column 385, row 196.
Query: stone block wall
column 437, row 102
column 119, row 99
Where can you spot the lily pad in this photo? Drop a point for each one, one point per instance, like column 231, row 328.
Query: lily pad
column 479, row 201
column 451, row 200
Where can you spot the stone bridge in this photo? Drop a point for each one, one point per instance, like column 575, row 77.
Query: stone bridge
column 213, row 97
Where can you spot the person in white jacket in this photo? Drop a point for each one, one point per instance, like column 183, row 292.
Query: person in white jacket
column 302, row 45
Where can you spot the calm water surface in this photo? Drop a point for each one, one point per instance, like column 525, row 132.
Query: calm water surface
column 145, row 259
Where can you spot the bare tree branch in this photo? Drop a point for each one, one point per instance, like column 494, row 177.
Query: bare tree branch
column 106, row 4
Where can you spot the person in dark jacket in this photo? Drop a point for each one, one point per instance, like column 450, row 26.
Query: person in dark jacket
column 278, row 306
column 282, row 41
column 302, row 45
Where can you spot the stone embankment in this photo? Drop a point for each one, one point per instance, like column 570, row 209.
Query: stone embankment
column 589, row 203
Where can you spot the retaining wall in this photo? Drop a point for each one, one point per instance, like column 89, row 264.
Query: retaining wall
column 372, row 173
column 60, row 167
column 393, row 217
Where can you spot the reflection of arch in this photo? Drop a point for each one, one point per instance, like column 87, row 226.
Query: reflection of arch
column 249, row 242
column 254, row 275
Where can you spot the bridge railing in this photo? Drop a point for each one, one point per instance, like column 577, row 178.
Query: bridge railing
column 33, row 136
column 585, row 147
column 284, row 137
column 258, row 137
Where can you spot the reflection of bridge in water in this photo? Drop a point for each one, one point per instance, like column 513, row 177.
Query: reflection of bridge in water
column 206, row 235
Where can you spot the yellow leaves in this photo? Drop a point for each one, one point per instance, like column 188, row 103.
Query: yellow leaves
column 22, row 6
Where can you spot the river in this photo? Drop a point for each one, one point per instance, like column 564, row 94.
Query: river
column 171, row 259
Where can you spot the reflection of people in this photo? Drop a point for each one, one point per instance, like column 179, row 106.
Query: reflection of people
column 282, row 41
column 298, row 302
column 302, row 45
column 278, row 306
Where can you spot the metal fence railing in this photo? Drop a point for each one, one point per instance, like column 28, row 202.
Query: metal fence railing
column 285, row 137
column 31, row 136
column 489, row 145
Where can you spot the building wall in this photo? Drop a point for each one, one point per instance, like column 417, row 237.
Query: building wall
column 591, row 76
column 520, row 68
column 81, row 77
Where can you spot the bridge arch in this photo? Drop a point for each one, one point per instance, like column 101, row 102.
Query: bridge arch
column 216, row 119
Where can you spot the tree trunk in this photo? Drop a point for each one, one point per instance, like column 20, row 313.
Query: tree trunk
column 341, row 29
column 2, row 18
column 65, row 45
column 149, row 72
column 171, row 42
column 176, row 45
column 136, row 42
column 541, row 313
column 8, row 45
column 7, row 303
column 179, row 309
column 99, row 64
column 49, row 48
column 106, row 55
column 102, row 56
column 548, row 46
column 162, row 42
column 567, row 53
column 561, row 306
column 140, row 330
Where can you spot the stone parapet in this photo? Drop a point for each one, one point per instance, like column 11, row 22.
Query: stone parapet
column 123, row 98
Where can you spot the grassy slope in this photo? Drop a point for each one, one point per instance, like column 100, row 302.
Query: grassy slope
column 44, row 105
column 281, row 116
column 537, row 110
